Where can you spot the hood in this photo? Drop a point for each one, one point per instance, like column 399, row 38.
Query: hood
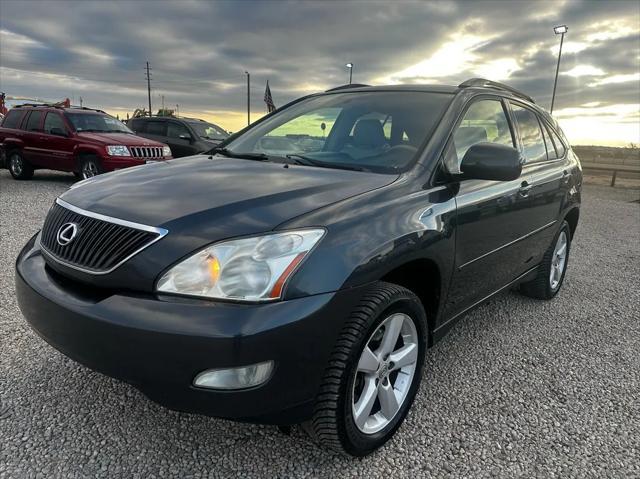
column 219, row 197
column 118, row 139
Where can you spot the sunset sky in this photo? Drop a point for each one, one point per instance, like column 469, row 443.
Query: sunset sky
column 199, row 52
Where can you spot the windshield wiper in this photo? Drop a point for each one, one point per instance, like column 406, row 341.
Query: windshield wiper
column 245, row 156
column 306, row 161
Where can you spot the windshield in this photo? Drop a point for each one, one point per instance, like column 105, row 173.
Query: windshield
column 379, row 131
column 209, row 131
column 97, row 122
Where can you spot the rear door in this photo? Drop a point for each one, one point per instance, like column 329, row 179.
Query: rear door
column 155, row 130
column 492, row 217
column 547, row 175
column 55, row 144
column 179, row 146
column 32, row 132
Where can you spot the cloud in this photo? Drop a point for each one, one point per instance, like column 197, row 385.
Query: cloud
column 200, row 50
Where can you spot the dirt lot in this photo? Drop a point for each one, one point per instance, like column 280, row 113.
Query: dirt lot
column 520, row 388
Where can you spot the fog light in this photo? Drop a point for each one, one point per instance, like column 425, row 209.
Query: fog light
column 234, row 378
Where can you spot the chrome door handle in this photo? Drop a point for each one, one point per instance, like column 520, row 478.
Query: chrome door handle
column 566, row 176
column 525, row 189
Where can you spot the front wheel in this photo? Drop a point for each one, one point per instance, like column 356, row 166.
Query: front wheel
column 553, row 267
column 374, row 372
column 19, row 168
column 90, row 167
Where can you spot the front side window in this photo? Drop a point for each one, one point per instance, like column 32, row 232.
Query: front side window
column 13, row 119
column 209, row 131
column 379, row 131
column 98, row 123
column 53, row 120
column 33, row 123
column 533, row 147
column 484, row 121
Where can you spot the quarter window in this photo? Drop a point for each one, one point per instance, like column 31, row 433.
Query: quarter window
column 484, row 121
column 533, row 147
column 33, row 123
column 53, row 120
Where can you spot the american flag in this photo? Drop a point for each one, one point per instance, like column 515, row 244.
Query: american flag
column 268, row 99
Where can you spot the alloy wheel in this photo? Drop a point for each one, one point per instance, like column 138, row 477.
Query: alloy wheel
column 558, row 261
column 15, row 163
column 89, row 169
column 385, row 373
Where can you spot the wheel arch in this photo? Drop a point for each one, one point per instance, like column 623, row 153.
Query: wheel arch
column 422, row 277
column 572, row 217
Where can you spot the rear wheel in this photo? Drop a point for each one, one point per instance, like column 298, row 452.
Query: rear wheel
column 89, row 167
column 552, row 269
column 374, row 372
column 19, row 168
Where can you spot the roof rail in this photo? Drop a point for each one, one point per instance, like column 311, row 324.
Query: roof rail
column 350, row 85
column 33, row 105
column 482, row 82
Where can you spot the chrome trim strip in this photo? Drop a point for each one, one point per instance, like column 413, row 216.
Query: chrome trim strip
column 507, row 244
column 111, row 219
column 161, row 232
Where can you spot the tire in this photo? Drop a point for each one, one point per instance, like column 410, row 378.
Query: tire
column 544, row 286
column 19, row 168
column 335, row 423
column 90, row 166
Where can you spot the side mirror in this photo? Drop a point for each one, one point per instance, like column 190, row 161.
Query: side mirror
column 58, row 132
column 492, row 161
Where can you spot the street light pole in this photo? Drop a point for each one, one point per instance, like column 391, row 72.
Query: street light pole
column 248, row 97
column 559, row 30
column 350, row 67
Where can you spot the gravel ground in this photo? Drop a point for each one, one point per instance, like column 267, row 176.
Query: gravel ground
column 519, row 388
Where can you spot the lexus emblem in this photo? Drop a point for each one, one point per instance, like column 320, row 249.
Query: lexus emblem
column 67, row 233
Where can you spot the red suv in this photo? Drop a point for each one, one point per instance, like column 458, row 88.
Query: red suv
column 80, row 140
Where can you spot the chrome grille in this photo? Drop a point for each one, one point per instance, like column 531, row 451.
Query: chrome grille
column 146, row 151
column 101, row 243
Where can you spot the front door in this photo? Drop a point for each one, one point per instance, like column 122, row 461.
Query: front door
column 55, row 145
column 179, row 139
column 492, row 216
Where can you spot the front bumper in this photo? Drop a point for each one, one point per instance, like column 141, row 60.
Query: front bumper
column 160, row 344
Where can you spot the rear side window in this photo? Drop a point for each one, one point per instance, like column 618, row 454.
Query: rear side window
column 13, row 119
column 533, row 147
column 53, row 120
column 174, row 130
column 136, row 125
column 33, row 122
column 484, row 121
column 560, row 149
column 156, row 128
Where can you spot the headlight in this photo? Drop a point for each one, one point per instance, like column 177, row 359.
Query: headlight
column 249, row 269
column 166, row 151
column 118, row 150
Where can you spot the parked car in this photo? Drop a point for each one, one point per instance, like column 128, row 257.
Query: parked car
column 185, row 136
column 80, row 140
column 307, row 287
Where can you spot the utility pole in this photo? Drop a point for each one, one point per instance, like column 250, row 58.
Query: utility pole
column 162, row 102
column 80, row 102
column 177, row 110
column 149, row 86
column 248, row 98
